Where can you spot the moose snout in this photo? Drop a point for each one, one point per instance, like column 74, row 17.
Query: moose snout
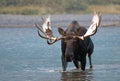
column 69, row 57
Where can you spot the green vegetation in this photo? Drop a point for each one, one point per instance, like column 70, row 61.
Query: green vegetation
column 38, row 7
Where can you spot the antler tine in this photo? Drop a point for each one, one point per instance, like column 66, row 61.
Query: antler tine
column 50, row 43
column 100, row 18
column 45, row 37
column 39, row 28
column 43, row 19
column 55, row 40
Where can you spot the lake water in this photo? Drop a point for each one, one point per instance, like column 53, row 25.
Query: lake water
column 24, row 56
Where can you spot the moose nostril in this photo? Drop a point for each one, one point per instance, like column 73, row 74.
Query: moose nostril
column 69, row 57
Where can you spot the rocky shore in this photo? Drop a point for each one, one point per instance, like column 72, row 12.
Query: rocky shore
column 57, row 20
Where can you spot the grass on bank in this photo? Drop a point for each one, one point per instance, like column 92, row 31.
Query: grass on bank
column 107, row 9
column 38, row 10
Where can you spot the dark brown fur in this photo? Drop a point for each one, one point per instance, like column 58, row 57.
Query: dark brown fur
column 74, row 49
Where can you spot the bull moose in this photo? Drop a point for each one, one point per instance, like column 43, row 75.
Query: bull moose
column 75, row 40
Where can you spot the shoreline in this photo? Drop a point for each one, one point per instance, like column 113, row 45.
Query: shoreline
column 27, row 21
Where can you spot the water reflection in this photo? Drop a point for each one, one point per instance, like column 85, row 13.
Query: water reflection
column 77, row 75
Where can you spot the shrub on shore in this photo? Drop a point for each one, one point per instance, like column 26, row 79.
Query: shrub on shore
column 39, row 7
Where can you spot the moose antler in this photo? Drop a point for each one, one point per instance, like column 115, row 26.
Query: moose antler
column 45, row 31
column 93, row 27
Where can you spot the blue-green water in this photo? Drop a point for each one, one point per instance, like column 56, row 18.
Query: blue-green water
column 26, row 57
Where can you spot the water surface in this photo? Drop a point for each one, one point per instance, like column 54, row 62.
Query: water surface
column 26, row 57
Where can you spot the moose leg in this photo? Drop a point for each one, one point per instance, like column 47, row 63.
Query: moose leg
column 83, row 63
column 90, row 62
column 76, row 63
column 64, row 63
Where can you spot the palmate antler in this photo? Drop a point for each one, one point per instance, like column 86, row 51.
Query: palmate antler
column 45, row 28
column 93, row 27
column 47, row 33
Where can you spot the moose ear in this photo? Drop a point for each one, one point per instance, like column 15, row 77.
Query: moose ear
column 61, row 31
